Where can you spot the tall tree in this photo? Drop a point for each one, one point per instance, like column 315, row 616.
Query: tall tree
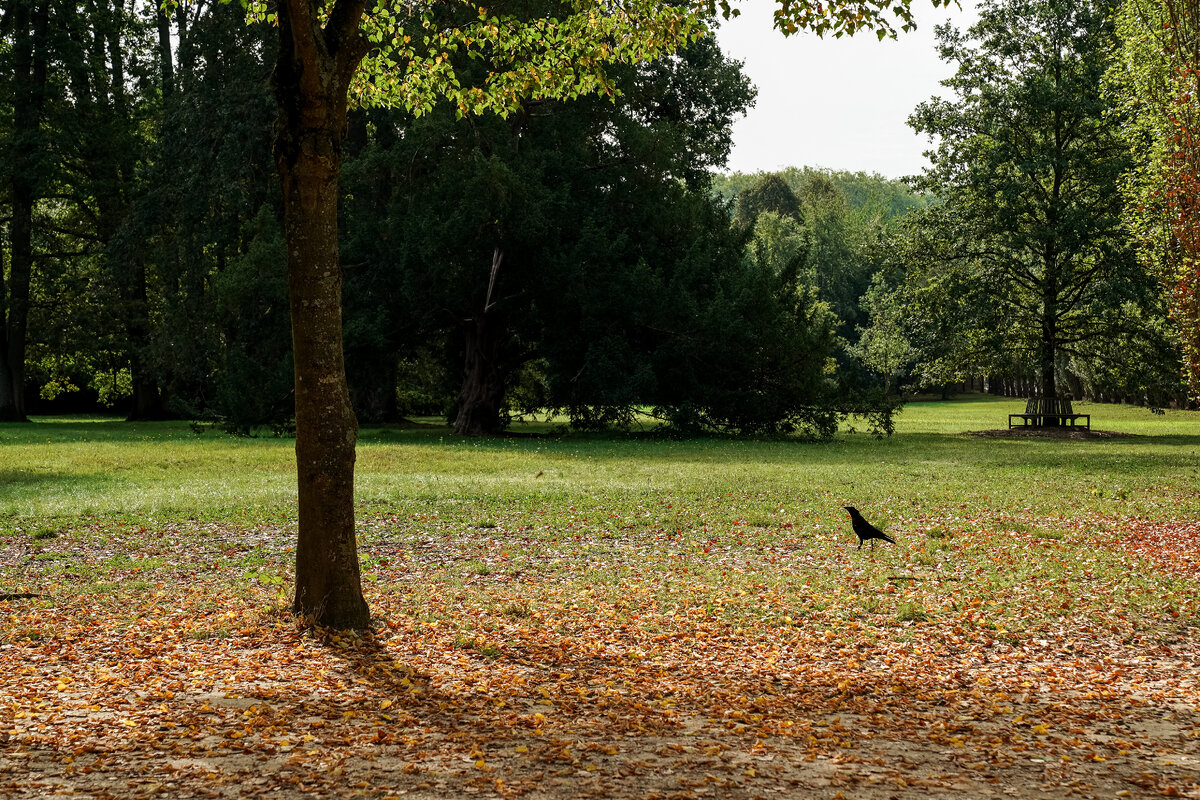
column 320, row 50
column 768, row 194
column 206, row 228
column 1029, row 236
column 106, row 148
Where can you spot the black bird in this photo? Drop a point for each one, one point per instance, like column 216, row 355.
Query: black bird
column 865, row 530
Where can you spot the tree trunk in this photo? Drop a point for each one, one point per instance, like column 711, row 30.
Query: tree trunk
column 12, row 401
column 147, row 403
column 7, row 383
column 29, row 84
column 166, row 62
column 1049, row 344
column 373, row 395
column 482, row 394
column 311, row 79
column 1075, row 384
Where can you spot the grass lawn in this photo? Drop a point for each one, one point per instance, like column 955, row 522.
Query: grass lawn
column 628, row 616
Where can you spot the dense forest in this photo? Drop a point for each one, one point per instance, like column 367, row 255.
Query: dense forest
column 587, row 256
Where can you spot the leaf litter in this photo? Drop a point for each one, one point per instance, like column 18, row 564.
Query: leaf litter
column 669, row 656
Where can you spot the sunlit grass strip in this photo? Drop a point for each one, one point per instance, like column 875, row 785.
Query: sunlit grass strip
column 65, row 469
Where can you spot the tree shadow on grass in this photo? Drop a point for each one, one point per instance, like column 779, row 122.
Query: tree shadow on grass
column 20, row 482
column 38, row 496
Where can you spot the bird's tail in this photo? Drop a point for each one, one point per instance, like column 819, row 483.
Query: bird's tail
column 887, row 538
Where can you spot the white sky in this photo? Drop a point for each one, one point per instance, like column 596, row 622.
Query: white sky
column 835, row 103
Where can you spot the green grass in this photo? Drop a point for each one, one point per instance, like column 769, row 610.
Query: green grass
column 507, row 520
column 53, row 471
column 717, row 573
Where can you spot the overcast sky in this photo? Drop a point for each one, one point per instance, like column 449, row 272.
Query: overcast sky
column 835, row 103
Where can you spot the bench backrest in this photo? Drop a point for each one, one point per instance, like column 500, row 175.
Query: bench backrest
column 1051, row 406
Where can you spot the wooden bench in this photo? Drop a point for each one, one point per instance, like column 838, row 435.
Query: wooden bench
column 1041, row 412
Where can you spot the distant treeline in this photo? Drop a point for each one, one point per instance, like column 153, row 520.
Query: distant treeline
column 862, row 190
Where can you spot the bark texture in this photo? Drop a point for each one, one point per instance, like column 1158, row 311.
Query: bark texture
column 311, row 80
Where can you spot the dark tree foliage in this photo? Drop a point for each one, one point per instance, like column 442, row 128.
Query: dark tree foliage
column 81, row 101
column 581, row 250
column 207, row 231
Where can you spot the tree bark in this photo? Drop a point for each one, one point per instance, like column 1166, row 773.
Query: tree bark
column 312, row 76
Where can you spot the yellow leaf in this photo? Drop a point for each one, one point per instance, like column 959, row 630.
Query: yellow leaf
column 385, row 704
column 522, row 749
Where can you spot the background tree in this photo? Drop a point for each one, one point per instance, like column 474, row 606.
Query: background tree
column 862, row 190
column 207, row 226
column 542, row 211
column 1156, row 79
column 26, row 26
column 770, row 193
column 883, row 345
column 839, row 214
column 1027, row 251
column 79, row 99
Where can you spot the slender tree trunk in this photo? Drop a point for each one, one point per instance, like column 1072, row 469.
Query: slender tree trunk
column 29, row 83
column 117, row 172
column 6, row 376
column 166, row 62
column 311, row 79
column 12, row 402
